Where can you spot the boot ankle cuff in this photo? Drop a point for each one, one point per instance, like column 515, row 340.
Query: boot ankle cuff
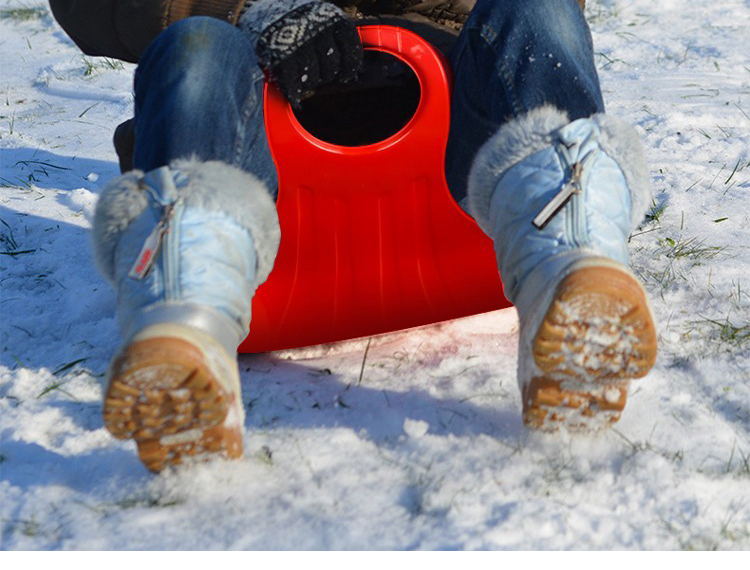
column 213, row 187
column 512, row 143
column 621, row 142
column 121, row 202
column 219, row 187
column 536, row 131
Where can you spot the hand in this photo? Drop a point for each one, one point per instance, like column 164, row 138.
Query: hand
column 310, row 46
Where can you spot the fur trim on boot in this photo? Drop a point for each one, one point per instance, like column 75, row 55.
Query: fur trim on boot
column 214, row 187
column 535, row 131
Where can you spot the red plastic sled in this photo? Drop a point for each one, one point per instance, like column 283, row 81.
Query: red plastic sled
column 371, row 239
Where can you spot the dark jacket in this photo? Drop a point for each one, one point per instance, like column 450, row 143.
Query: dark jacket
column 122, row 29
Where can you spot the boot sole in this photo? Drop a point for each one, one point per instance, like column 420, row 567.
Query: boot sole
column 164, row 393
column 597, row 334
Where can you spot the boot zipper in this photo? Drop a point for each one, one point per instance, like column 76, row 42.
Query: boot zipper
column 151, row 247
column 171, row 257
column 571, row 187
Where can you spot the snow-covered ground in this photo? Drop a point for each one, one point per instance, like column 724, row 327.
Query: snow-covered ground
column 423, row 446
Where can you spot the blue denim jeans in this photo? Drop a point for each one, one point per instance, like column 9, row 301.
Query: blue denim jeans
column 199, row 90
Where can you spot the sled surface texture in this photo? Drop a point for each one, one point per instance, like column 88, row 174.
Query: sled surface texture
column 371, row 239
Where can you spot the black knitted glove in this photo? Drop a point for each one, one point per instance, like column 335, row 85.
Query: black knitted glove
column 309, row 46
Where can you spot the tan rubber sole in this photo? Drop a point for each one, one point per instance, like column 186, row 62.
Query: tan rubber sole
column 597, row 334
column 163, row 394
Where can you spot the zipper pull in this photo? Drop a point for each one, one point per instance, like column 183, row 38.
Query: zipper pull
column 151, row 247
column 573, row 186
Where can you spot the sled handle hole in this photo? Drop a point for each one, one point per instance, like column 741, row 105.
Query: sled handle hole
column 375, row 107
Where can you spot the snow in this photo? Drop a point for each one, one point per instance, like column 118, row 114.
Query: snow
column 421, row 445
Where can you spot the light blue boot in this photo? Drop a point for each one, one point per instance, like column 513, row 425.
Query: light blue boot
column 560, row 199
column 185, row 247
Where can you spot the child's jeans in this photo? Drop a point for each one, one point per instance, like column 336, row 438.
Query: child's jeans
column 199, row 90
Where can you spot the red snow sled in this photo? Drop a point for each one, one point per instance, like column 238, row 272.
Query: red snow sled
column 371, row 239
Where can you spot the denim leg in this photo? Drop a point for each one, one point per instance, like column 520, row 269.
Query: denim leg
column 513, row 56
column 199, row 93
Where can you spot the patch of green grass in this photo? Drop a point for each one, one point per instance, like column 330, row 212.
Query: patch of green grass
column 24, row 13
column 9, row 244
column 641, row 446
column 681, row 526
column 65, row 367
column 610, row 61
column 31, row 528
column 693, row 249
column 58, row 384
column 7, row 236
column 5, row 183
column 655, row 211
column 738, row 168
column 264, row 455
column 742, row 467
column 36, row 170
column 730, row 333
column 598, row 12
column 19, row 252
column 652, row 220
column 148, row 502
column 12, row 123
column 28, row 527
column 52, row 387
column 681, row 253
column 92, row 66
column 41, row 164
column 736, row 297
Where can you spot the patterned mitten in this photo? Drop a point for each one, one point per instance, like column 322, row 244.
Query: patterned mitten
column 312, row 44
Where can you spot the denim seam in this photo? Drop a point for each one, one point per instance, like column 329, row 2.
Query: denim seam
column 505, row 78
column 489, row 35
column 248, row 108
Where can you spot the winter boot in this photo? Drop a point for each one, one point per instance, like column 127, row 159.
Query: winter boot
column 184, row 247
column 560, row 199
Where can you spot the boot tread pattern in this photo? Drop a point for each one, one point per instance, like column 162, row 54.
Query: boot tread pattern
column 596, row 335
column 163, row 395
